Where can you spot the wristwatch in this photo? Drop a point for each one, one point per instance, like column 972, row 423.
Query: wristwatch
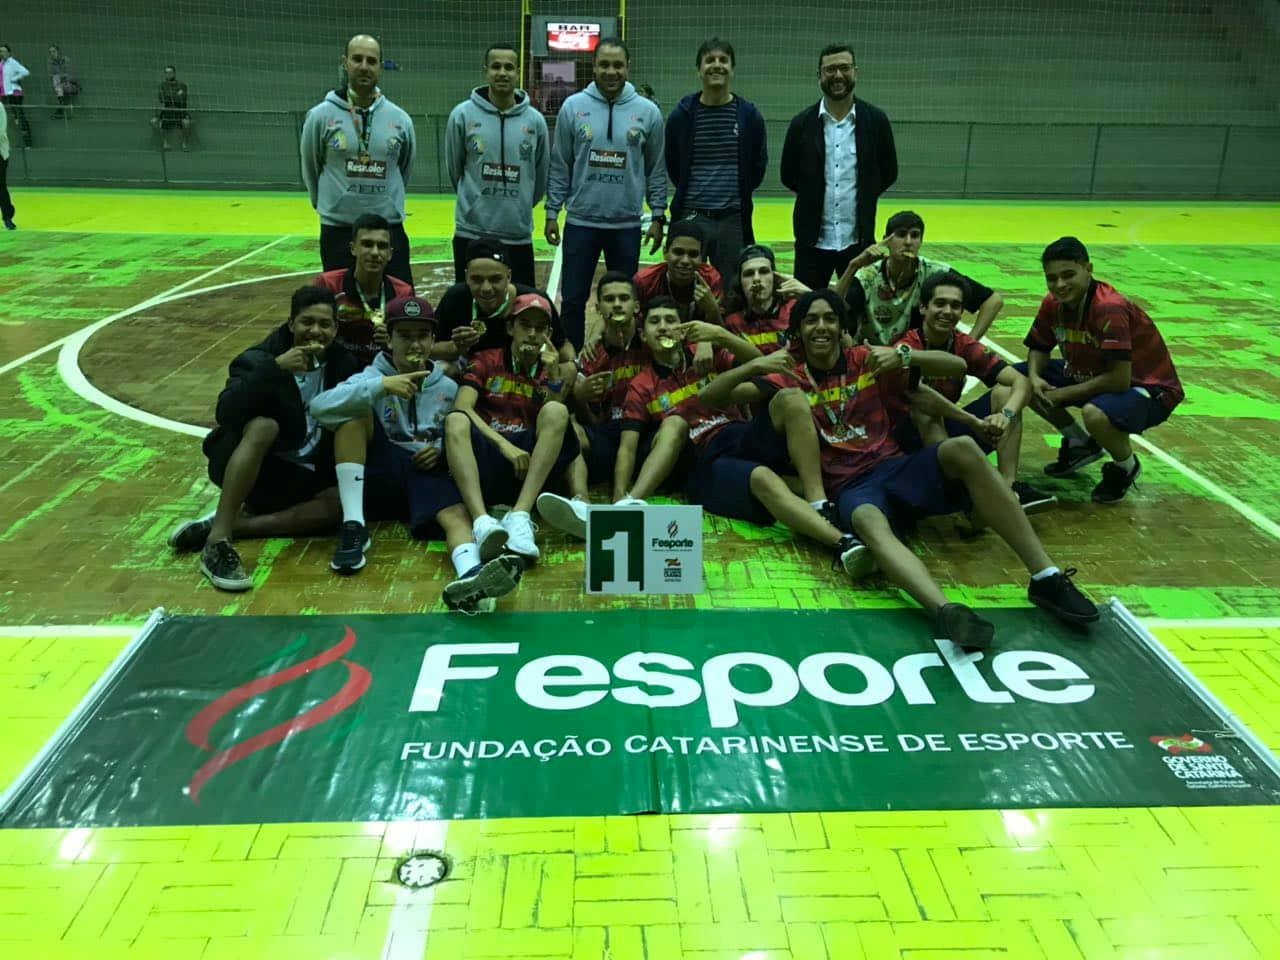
column 1010, row 413
column 904, row 351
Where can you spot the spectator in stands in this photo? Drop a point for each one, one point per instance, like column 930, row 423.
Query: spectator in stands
column 884, row 296
column 498, row 168
column 357, row 154
column 6, row 202
column 364, row 290
column 1115, row 368
column 717, row 154
column 63, row 79
column 837, row 159
column 12, row 73
column 267, row 452
column 173, row 113
column 606, row 159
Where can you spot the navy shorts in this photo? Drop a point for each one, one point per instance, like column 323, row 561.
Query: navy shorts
column 498, row 480
column 905, row 489
column 394, row 489
column 721, row 475
column 602, row 452
column 281, row 483
column 1132, row 410
column 909, row 438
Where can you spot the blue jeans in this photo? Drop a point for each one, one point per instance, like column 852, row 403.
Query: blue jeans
column 582, row 247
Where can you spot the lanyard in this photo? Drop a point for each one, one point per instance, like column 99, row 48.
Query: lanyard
column 363, row 129
column 375, row 316
column 831, row 414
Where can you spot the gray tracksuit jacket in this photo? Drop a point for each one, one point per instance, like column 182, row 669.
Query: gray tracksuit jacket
column 412, row 424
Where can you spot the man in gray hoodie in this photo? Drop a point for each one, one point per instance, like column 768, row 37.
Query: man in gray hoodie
column 606, row 160
column 498, row 168
column 357, row 152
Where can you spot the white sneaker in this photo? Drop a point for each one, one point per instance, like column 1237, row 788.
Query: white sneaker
column 520, row 534
column 491, row 537
column 569, row 516
column 631, row 502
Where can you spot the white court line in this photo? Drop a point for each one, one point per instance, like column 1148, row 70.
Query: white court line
column 1169, row 460
column 70, row 630
column 1213, row 623
column 553, row 278
column 410, row 921
column 69, row 355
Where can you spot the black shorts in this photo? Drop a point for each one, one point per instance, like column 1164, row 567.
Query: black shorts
column 910, row 441
column 394, row 489
column 721, row 476
column 281, row 483
column 498, row 480
column 1132, row 411
column 603, row 441
column 905, row 489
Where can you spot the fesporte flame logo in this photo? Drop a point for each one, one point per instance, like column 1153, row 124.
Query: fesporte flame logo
column 198, row 730
column 673, row 528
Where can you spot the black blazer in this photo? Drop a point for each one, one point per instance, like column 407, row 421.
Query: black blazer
column 804, row 164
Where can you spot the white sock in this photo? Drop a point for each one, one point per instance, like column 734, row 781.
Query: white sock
column 1045, row 573
column 1076, row 433
column 1128, row 463
column 818, row 504
column 351, row 490
column 465, row 557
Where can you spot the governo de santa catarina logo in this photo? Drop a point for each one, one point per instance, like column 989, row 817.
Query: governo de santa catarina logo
column 200, row 728
column 1183, row 743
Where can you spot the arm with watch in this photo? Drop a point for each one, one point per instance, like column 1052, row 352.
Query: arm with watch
column 930, row 363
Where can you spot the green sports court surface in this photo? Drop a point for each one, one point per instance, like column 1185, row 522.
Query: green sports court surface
column 121, row 312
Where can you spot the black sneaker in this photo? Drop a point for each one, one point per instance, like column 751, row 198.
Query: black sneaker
column 353, row 541
column 1032, row 500
column 1072, row 456
column 854, row 556
column 494, row 579
column 191, row 535
column 964, row 628
column 829, row 514
column 1059, row 596
column 221, row 564
column 1115, row 482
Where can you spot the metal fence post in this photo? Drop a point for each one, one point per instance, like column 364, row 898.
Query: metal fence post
column 1222, row 162
column 968, row 150
column 1093, row 167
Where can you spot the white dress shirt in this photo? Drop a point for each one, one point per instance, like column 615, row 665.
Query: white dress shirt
column 840, row 200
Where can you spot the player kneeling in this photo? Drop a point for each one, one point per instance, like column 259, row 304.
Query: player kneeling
column 510, row 432
column 389, row 429
column 850, row 392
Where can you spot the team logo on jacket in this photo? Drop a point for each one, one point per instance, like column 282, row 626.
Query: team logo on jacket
column 526, row 150
column 338, row 141
column 475, row 144
column 635, row 135
column 584, row 131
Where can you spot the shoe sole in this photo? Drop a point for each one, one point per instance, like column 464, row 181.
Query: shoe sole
column 182, row 528
column 558, row 512
column 496, row 579
column 1075, row 466
column 348, row 568
column 1064, row 616
column 222, row 583
column 494, row 545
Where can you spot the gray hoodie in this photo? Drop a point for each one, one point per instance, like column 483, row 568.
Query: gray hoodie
column 412, row 424
column 341, row 187
column 606, row 159
column 497, row 162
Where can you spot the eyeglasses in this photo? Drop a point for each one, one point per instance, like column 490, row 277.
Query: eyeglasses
column 832, row 69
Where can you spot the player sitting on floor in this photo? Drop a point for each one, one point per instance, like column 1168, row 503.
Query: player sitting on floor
column 267, row 453
column 883, row 296
column 759, row 302
column 606, row 368
column 475, row 313
column 1116, row 368
column 878, row 490
column 510, row 430
column 363, row 291
column 389, row 426
column 942, row 299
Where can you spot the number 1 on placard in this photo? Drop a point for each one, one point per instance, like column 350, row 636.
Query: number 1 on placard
column 619, row 546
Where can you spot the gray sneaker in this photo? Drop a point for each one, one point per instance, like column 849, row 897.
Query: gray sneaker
column 485, row 581
column 190, row 535
column 221, row 564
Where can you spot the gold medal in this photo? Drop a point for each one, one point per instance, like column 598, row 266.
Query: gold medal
column 479, row 327
column 375, row 317
column 666, row 343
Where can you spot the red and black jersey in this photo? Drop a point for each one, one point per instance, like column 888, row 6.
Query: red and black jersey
column 624, row 364
column 355, row 329
column 1113, row 328
column 979, row 361
column 658, row 392
column 767, row 333
column 508, row 401
column 652, row 282
column 853, row 411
